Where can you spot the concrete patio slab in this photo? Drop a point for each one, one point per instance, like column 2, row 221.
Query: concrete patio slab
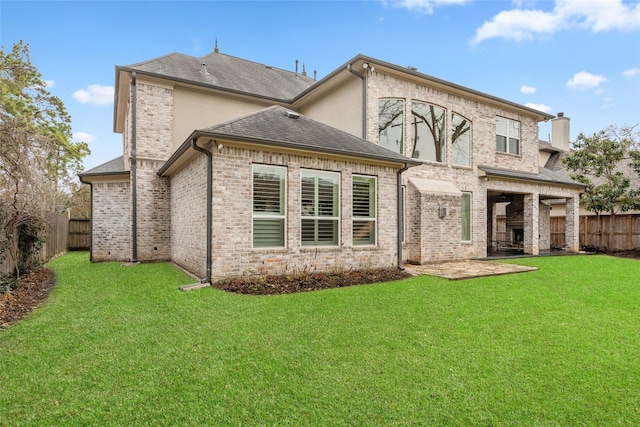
column 468, row 269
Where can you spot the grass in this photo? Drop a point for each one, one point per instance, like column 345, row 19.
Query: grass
column 118, row 345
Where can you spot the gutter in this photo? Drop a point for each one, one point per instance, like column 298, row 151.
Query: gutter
column 400, row 220
column 364, row 100
column 134, row 159
column 194, row 145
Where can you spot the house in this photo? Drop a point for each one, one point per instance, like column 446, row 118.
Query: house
column 230, row 166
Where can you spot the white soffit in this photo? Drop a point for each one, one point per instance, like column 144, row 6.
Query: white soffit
column 425, row 185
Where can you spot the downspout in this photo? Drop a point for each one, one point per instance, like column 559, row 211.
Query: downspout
column 134, row 193
column 91, row 222
column 400, row 212
column 364, row 100
column 209, row 207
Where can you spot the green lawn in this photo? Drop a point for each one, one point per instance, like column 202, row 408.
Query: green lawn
column 121, row 346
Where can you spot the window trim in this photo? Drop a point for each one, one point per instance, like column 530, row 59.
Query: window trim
column 468, row 194
column 403, row 124
column 283, row 202
column 373, row 219
column 508, row 137
column 470, row 122
column 317, row 174
column 445, row 151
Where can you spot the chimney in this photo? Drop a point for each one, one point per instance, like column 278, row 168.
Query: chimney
column 560, row 132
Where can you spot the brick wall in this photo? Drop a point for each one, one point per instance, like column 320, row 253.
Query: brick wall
column 111, row 226
column 232, row 217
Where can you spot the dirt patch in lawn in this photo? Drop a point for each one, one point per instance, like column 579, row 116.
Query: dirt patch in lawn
column 31, row 291
column 288, row 284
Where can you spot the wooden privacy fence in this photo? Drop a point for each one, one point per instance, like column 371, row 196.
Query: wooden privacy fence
column 626, row 234
column 79, row 230
column 57, row 241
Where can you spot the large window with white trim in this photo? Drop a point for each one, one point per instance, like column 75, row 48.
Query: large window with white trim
column 507, row 135
column 364, row 210
column 320, row 208
column 428, row 132
column 460, row 140
column 391, row 124
column 269, row 204
column 466, row 217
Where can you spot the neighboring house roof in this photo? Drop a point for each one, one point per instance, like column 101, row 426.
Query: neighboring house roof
column 544, row 175
column 277, row 127
column 227, row 73
column 546, row 146
column 110, row 168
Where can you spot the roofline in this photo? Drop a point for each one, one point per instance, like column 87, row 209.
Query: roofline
column 542, row 115
column 99, row 174
column 510, row 177
column 127, row 69
column 273, row 143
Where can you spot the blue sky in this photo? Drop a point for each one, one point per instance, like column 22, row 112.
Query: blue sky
column 580, row 57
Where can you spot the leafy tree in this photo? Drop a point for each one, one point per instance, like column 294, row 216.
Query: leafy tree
column 596, row 162
column 38, row 159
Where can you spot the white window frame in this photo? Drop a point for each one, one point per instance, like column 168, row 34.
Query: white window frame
column 509, row 134
column 270, row 216
column 372, row 219
column 469, row 219
column 335, row 178
column 470, row 144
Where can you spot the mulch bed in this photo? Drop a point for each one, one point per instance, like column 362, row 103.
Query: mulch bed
column 304, row 282
column 31, row 291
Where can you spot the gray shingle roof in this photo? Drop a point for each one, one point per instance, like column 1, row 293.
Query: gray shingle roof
column 544, row 175
column 227, row 73
column 112, row 167
column 276, row 126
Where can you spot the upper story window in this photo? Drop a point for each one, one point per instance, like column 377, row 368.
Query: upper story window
column 507, row 135
column 320, row 208
column 364, row 210
column 269, row 184
column 460, row 140
column 391, row 124
column 428, row 132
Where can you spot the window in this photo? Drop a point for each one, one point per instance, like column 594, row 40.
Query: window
column 391, row 124
column 466, row 217
column 507, row 135
column 269, row 183
column 320, row 210
column 428, row 132
column 364, row 210
column 460, row 140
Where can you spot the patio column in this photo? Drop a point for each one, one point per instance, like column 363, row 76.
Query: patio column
column 531, row 224
column 572, row 232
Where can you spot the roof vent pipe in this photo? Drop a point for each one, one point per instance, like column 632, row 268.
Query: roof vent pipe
column 203, row 68
column 296, row 67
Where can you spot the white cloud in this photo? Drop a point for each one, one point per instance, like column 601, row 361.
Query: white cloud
column 423, row 6
column 527, row 89
column 608, row 103
column 595, row 15
column 539, row 107
column 83, row 137
column 631, row 72
column 584, row 80
column 94, row 95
